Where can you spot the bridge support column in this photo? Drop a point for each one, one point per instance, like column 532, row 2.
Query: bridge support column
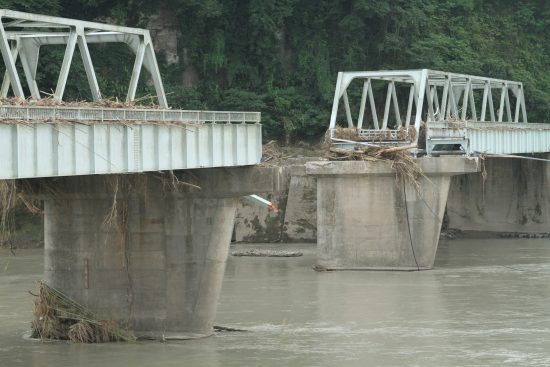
column 152, row 256
column 369, row 219
column 513, row 197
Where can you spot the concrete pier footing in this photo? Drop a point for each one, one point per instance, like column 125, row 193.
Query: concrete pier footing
column 141, row 251
column 370, row 219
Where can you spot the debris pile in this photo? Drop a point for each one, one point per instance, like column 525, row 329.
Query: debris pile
column 397, row 157
column 14, row 194
column 271, row 154
column 401, row 134
column 103, row 103
column 56, row 316
column 267, row 253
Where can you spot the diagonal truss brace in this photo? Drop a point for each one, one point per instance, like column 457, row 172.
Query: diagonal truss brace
column 23, row 34
column 457, row 101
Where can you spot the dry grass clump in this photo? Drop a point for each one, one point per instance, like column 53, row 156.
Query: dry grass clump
column 406, row 133
column 103, row 103
column 12, row 194
column 352, row 134
column 398, row 158
column 456, row 124
column 271, row 153
column 266, row 253
column 56, row 316
column 346, row 133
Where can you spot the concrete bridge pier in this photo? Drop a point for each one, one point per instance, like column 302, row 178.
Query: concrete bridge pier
column 512, row 197
column 369, row 219
column 156, row 260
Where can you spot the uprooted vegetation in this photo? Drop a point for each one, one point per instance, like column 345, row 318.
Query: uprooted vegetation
column 56, row 316
column 367, row 149
column 13, row 195
column 352, row 134
column 398, row 157
column 102, row 103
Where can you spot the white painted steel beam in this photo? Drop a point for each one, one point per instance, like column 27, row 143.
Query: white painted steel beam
column 10, row 64
column 136, row 72
column 64, row 149
column 29, row 59
column 6, row 81
column 88, row 65
column 46, row 21
column 65, row 66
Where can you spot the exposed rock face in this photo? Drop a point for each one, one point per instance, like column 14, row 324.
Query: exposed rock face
column 165, row 33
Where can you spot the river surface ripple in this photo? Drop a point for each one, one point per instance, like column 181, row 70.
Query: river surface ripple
column 486, row 303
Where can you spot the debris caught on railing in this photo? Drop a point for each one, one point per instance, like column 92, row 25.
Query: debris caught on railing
column 398, row 157
column 102, row 103
column 400, row 134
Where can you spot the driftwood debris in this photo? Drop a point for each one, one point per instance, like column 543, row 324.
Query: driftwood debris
column 103, row 103
column 397, row 157
column 267, row 253
column 56, row 316
column 402, row 134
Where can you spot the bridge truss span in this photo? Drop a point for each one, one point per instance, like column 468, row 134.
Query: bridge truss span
column 47, row 139
column 441, row 112
column 22, row 35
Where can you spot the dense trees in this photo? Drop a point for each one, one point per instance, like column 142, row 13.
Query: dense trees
column 281, row 56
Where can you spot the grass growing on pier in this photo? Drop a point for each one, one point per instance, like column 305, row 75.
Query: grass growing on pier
column 56, row 316
column 14, row 194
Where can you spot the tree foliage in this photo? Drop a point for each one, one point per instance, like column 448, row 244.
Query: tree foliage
column 282, row 56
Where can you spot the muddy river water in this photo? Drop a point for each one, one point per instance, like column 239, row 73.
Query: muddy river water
column 487, row 303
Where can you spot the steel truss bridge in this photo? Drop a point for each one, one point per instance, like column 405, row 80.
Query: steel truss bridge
column 45, row 141
column 435, row 111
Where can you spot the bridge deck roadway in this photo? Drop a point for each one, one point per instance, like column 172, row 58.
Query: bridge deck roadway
column 65, row 141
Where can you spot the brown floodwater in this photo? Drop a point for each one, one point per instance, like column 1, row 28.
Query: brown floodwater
column 486, row 303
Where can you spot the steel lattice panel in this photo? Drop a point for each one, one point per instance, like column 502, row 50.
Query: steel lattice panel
column 64, row 149
column 526, row 138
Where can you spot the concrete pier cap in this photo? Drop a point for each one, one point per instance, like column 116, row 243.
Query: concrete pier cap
column 368, row 218
column 147, row 250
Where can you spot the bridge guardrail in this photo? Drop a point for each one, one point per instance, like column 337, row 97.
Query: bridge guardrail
column 49, row 113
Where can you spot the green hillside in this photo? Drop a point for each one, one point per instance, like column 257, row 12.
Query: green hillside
column 281, row 56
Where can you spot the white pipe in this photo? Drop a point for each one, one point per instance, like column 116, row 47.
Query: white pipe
column 261, row 200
